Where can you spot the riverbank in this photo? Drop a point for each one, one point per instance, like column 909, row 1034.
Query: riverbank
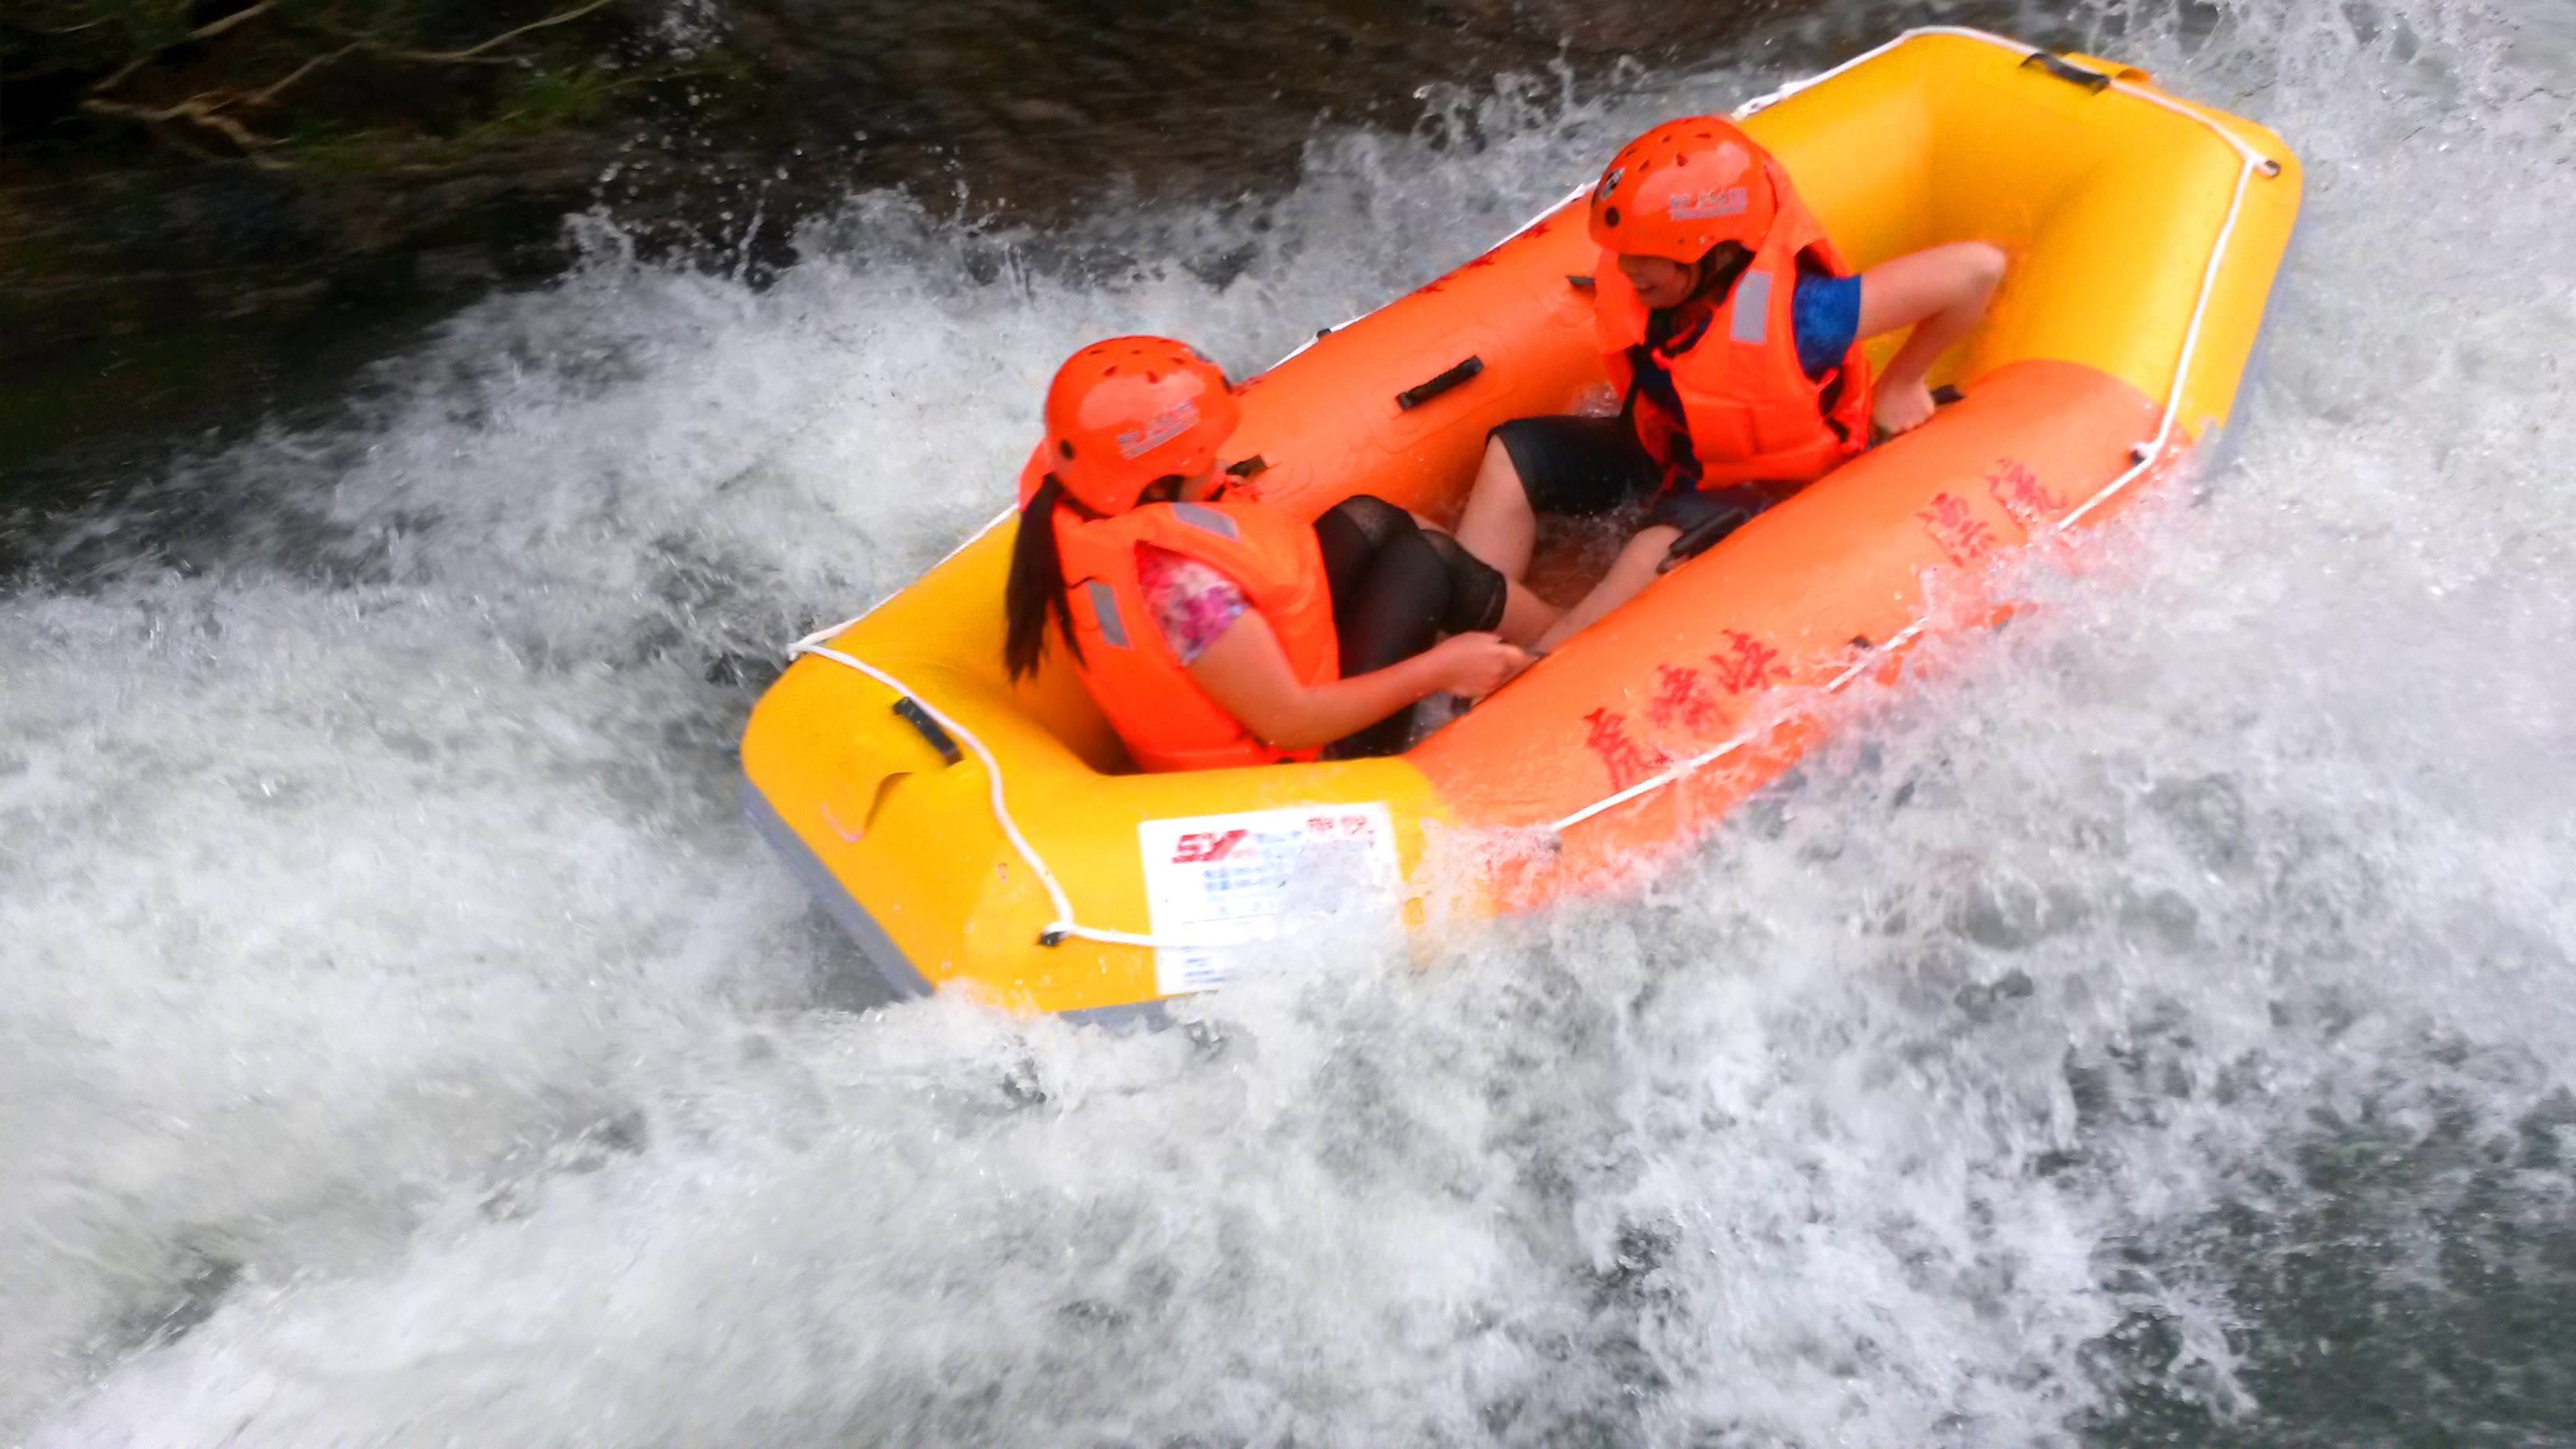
column 162, row 282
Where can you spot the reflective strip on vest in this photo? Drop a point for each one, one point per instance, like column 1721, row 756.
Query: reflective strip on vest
column 1104, row 612
column 1752, row 322
column 1201, row 516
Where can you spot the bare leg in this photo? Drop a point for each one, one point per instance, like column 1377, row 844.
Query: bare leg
column 1498, row 524
column 1629, row 574
column 1526, row 616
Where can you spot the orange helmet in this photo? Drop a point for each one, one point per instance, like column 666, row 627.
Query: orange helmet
column 1124, row 412
column 1683, row 187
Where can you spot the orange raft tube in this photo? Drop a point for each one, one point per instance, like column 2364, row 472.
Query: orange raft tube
column 973, row 834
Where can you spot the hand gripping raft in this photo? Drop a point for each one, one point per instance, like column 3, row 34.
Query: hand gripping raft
column 973, row 835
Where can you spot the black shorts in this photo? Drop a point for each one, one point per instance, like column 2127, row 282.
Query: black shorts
column 1586, row 466
column 1386, row 575
column 1397, row 587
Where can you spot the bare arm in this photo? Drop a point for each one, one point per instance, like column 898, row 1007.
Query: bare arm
column 1247, row 674
column 1941, row 292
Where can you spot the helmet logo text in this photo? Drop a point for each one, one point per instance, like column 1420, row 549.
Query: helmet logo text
column 1160, row 429
column 1707, row 205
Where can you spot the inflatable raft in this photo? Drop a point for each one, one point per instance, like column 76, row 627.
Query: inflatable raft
column 972, row 834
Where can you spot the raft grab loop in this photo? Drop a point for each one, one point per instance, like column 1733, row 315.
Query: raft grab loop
column 2068, row 71
column 1057, row 931
column 1423, row 392
column 1702, row 538
column 911, row 712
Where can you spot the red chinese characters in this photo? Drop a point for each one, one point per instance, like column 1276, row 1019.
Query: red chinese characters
column 1627, row 759
column 1962, row 535
column 1746, row 662
column 2018, row 491
column 1690, row 706
column 1682, row 701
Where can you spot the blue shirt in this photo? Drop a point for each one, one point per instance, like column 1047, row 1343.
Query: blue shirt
column 1825, row 314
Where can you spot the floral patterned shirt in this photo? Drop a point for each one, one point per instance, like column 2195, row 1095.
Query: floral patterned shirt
column 1192, row 603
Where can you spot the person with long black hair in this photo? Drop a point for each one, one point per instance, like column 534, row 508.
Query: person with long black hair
column 1213, row 629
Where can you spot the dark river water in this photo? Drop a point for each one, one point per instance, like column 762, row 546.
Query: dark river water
column 2155, row 1029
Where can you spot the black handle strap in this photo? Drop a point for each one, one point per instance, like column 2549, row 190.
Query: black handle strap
column 1423, row 392
column 914, row 715
column 1942, row 397
column 1702, row 537
column 2068, row 71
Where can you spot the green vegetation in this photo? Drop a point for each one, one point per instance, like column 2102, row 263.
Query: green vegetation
column 341, row 85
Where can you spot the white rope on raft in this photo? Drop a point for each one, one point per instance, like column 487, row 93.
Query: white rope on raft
column 2145, row 456
column 1063, row 924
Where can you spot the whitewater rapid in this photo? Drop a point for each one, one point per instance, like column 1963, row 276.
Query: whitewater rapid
column 2157, row 1022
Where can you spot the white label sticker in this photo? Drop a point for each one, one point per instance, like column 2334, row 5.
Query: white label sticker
column 1219, row 880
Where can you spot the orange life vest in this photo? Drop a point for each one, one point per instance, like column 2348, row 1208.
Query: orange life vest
column 1752, row 413
column 1168, row 722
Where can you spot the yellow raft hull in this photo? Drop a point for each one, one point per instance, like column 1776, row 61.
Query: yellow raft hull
column 893, row 765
